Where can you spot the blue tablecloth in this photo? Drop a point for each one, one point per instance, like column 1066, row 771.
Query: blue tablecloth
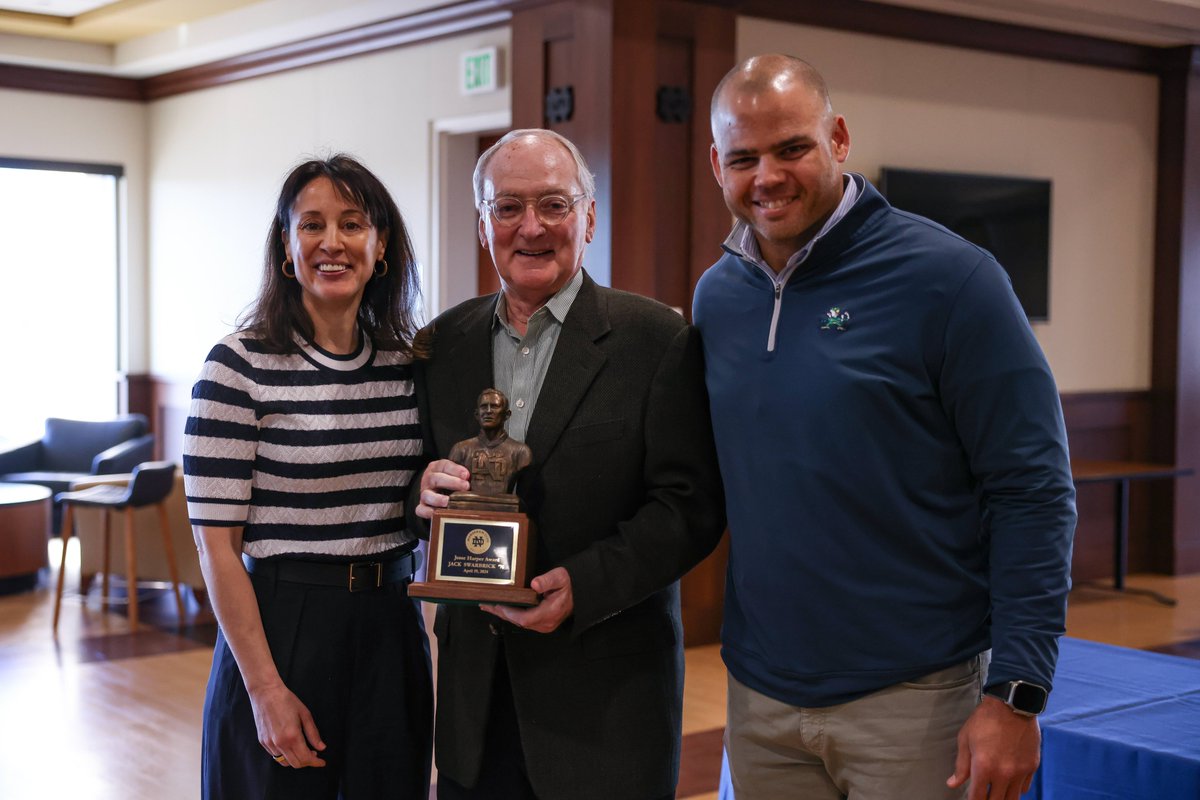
column 1121, row 725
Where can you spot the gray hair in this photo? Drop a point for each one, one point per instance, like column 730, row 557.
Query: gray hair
column 587, row 181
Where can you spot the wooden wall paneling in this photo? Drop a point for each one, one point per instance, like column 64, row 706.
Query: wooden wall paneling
column 61, row 81
column 528, row 62
column 670, row 182
column 1187, row 308
column 616, row 54
column 655, row 193
column 135, row 395
column 669, row 216
column 172, row 401
column 588, row 68
column 1092, row 558
column 652, row 226
column 696, row 49
column 702, row 597
column 570, row 44
column 714, row 52
column 165, row 404
column 1164, row 358
column 1175, row 363
column 1109, row 425
column 637, row 242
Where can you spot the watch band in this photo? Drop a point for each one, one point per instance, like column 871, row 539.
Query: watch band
column 1023, row 697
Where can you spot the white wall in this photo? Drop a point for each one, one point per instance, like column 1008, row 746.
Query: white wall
column 458, row 156
column 60, row 127
column 210, row 163
column 218, row 156
column 1091, row 131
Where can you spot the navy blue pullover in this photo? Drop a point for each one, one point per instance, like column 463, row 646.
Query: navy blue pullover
column 896, row 470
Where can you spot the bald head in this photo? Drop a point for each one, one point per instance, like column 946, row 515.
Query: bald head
column 767, row 73
column 777, row 152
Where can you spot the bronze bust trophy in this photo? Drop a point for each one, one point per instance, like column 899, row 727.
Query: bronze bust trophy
column 493, row 458
column 480, row 546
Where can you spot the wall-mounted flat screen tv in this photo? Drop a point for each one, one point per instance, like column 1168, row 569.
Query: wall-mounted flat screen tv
column 1008, row 217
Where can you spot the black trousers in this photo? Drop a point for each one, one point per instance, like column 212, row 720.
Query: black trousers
column 360, row 663
column 502, row 773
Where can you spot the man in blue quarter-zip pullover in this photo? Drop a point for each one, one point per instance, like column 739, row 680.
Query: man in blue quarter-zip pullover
column 895, row 463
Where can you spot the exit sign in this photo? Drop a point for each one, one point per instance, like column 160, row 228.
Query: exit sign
column 480, row 71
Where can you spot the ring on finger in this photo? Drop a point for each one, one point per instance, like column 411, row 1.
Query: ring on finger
column 280, row 759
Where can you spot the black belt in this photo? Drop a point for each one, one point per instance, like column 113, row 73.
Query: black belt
column 357, row 576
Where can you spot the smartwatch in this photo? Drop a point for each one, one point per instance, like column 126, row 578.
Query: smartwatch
column 1025, row 698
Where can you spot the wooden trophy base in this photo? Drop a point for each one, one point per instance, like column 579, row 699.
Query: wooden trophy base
column 449, row 593
column 478, row 556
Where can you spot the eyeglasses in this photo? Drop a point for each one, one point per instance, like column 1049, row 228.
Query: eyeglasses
column 551, row 209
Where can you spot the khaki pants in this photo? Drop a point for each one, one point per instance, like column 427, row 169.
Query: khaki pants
column 894, row 744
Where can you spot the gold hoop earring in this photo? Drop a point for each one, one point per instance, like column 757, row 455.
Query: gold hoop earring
column 284, row 269
column 379, row 274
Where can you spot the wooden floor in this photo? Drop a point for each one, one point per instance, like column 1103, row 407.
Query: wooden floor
column 106, row 714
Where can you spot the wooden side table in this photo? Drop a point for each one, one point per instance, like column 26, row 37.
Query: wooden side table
column 24, row 521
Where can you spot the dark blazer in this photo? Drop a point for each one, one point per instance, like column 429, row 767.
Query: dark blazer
column 626, row 495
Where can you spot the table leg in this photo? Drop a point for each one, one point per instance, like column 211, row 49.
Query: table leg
column 1121, row 548
column 1121, row 534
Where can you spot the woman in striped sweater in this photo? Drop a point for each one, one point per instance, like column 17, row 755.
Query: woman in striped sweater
column 302, row 439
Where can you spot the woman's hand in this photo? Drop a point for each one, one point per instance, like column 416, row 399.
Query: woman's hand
column 285, row 728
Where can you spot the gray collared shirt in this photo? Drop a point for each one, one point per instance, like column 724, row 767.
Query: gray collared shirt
column 519, row 363
column 741, row 241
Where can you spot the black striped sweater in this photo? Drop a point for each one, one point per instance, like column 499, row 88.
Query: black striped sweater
column 311, row 452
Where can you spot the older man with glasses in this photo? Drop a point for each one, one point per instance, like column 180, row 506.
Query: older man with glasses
column 580, row 696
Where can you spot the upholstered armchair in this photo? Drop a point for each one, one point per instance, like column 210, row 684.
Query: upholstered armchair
column 72, row 449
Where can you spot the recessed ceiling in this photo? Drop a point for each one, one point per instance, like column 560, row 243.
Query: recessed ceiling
column 141, row 38
column 57, row 8
column 105, row 21
column 1153, row 22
